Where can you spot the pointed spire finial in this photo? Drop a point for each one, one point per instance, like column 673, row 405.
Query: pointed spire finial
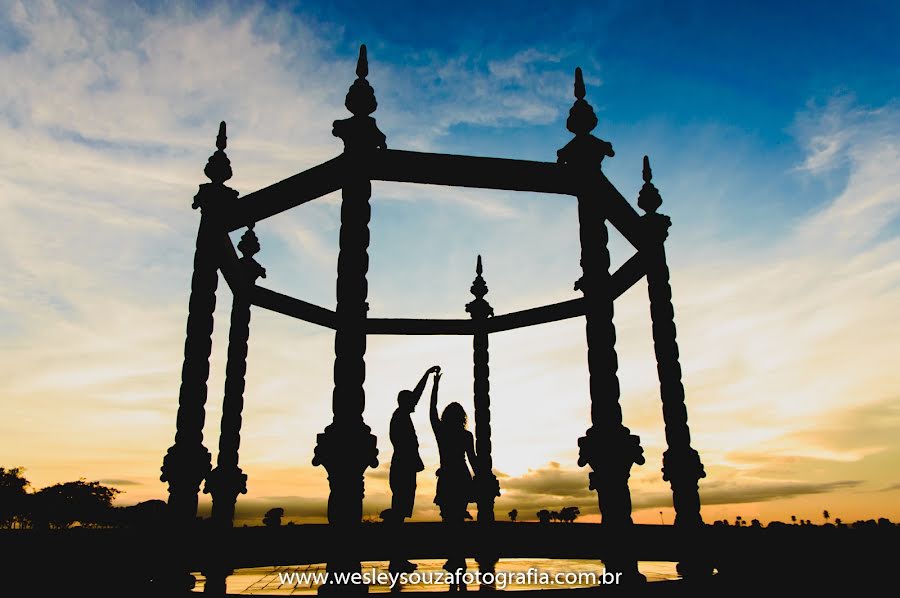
column 579, row 84
column 222, row 138
column 585, row 148
column 649, row 198
column 218, row 167
column 360, row 131
column 479, row 308
column 582, row 119
column 362, row 65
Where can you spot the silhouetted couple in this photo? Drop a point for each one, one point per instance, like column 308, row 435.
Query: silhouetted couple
column 455, row 445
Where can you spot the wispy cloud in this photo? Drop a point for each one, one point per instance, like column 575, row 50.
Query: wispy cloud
column 785, row 330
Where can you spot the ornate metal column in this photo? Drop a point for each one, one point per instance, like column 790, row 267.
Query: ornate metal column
column 607, row 446
column 486, row 484
column 681, row 463
column 487, row 487
column 227, row 480
column 187, row 461
column 347, row 446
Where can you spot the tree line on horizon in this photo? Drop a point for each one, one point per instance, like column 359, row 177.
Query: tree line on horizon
column 89, row 504
column 62, row 505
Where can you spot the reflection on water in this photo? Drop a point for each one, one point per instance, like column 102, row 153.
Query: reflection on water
column 279, row 581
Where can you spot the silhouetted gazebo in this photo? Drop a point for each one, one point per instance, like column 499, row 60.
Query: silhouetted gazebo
column 347, row 447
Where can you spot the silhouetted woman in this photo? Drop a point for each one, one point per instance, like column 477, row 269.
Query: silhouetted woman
column 454, row 486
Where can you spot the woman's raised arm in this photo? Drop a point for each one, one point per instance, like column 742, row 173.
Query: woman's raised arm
column 432, row 411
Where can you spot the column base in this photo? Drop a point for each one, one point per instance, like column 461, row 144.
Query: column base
column 184, row 468
column 225, row 484
column 611, row 452
column 682, row 469
column 345, row 450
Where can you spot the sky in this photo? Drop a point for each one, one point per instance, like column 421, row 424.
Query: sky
column 773, row 133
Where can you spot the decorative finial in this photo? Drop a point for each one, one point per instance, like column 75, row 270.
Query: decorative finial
column 360, row 130
column 249, row 247
column 218, row 167
column 361, row 98
column 362, row 65
column 479, row 308
column 649, row 198
column 582, row 119
column 585, row 150
column 222, row 138
column 579, row 84
column 249, row 243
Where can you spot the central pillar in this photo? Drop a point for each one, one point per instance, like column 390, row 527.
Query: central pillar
column 487, row 488
column 347, row 446
column 607, row 446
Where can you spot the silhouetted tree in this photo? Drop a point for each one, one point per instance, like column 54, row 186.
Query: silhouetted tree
column 569, row 514
column 61, row 505
column 146, row 515
column 13, row 496
column 739, row 521
column 755, row 523
column 272, row 518
column 826, row 515
column 543, row 516
column 513, row 515
column 793, row 519
column 838, row 522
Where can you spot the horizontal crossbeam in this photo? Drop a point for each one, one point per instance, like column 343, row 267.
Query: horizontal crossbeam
column 290, row 306
column 406, row 326
column 622, row 280
column 502, row 173
column 536, row 315
column 469, row 171
column 286, row 194
column 436, row 169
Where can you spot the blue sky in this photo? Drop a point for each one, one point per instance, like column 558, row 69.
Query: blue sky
column 773, row 132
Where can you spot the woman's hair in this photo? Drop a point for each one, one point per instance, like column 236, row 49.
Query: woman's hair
column 454, row 415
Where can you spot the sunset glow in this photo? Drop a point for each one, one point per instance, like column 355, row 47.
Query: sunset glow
column 782, row 182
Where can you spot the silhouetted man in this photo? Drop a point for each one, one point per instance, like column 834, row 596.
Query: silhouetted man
column 406, row 462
